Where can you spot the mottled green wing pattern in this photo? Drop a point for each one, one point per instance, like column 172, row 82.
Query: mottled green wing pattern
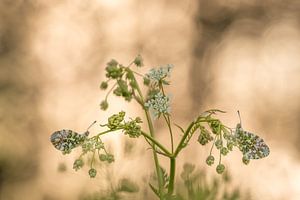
column 66, row 140
column 251, row 145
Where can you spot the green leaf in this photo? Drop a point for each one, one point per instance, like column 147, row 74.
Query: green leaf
column 154, row 190
column 166, row 177
column 190, row 134
column 182, row 130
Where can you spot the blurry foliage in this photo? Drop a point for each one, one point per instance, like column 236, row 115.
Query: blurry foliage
column 194, row 185
column 20, row 92
column 123, row 190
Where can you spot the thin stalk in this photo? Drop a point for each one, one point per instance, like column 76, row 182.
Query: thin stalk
column 213, row 144
column 92, row 162
column 151, row 130
column 104, row 132
column 220, row 156
column 154, row 141
column 167, row 118
column 172, row 159
column 109, row 91
column 156, row 161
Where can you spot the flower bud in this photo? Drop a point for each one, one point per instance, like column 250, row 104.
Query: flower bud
column 138, row 61
column 78, row 163
column 224, row 151
column 230, row 145
column 210, row 160
column 110, row 158
column 104, row 105
column 92, row 173
column 218, row 143
column 245, row 160
column 103, row 85
column 102, row 157
column 220, row 168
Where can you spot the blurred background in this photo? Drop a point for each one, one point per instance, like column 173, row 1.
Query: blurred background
column 228, row 54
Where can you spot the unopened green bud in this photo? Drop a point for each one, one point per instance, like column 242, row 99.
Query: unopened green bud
column 224, row 151
column 103, row 85
column 92, row 173
column 215, row 127
column 138, row 61
column 220, row 168
column 104, row 105
column 245, row 160
column 102, row 157
column 110, row 158
column 230, row 145
column 210, row 160
column 204, row 136
column 78, row 164
column 99, row 145
column 218, row 144
column 122, row 114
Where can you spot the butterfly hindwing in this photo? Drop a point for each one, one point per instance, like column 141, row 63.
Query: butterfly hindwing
column 256, row 148
column 251, row 145
column 65, row 140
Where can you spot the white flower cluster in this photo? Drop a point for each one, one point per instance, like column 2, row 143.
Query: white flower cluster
column 160, row 73
column 160, row 104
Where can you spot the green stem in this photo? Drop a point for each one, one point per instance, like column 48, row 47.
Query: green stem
column 186, row 133
column 104, row 132
column 92, row 162
column 154, row 141
column 167, row 118
column 156, row 161
column 109, row 91
column 172, row 176
column 151, row 130
column 213, row 144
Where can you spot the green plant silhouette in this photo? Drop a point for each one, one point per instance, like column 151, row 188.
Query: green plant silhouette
column 122, row 81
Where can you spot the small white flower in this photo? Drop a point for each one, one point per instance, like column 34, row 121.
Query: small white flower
column 160, row 73
column 160, row 104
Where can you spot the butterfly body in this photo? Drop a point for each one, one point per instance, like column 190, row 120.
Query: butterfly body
column 65, row 140
column 251, row 145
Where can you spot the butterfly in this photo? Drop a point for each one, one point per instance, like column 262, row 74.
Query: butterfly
column 65, row 140
column 251, row 145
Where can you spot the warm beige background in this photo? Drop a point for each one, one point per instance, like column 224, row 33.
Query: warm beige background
column 230, row 55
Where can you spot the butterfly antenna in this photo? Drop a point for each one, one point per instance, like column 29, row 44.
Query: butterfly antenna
column 239, row 117
column 91, row 125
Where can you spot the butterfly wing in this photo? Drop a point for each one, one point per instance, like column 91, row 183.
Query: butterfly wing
column 66, row 140
column 251, row 145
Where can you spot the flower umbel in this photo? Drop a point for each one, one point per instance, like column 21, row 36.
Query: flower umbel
column 160, row 104
column 157, row 75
